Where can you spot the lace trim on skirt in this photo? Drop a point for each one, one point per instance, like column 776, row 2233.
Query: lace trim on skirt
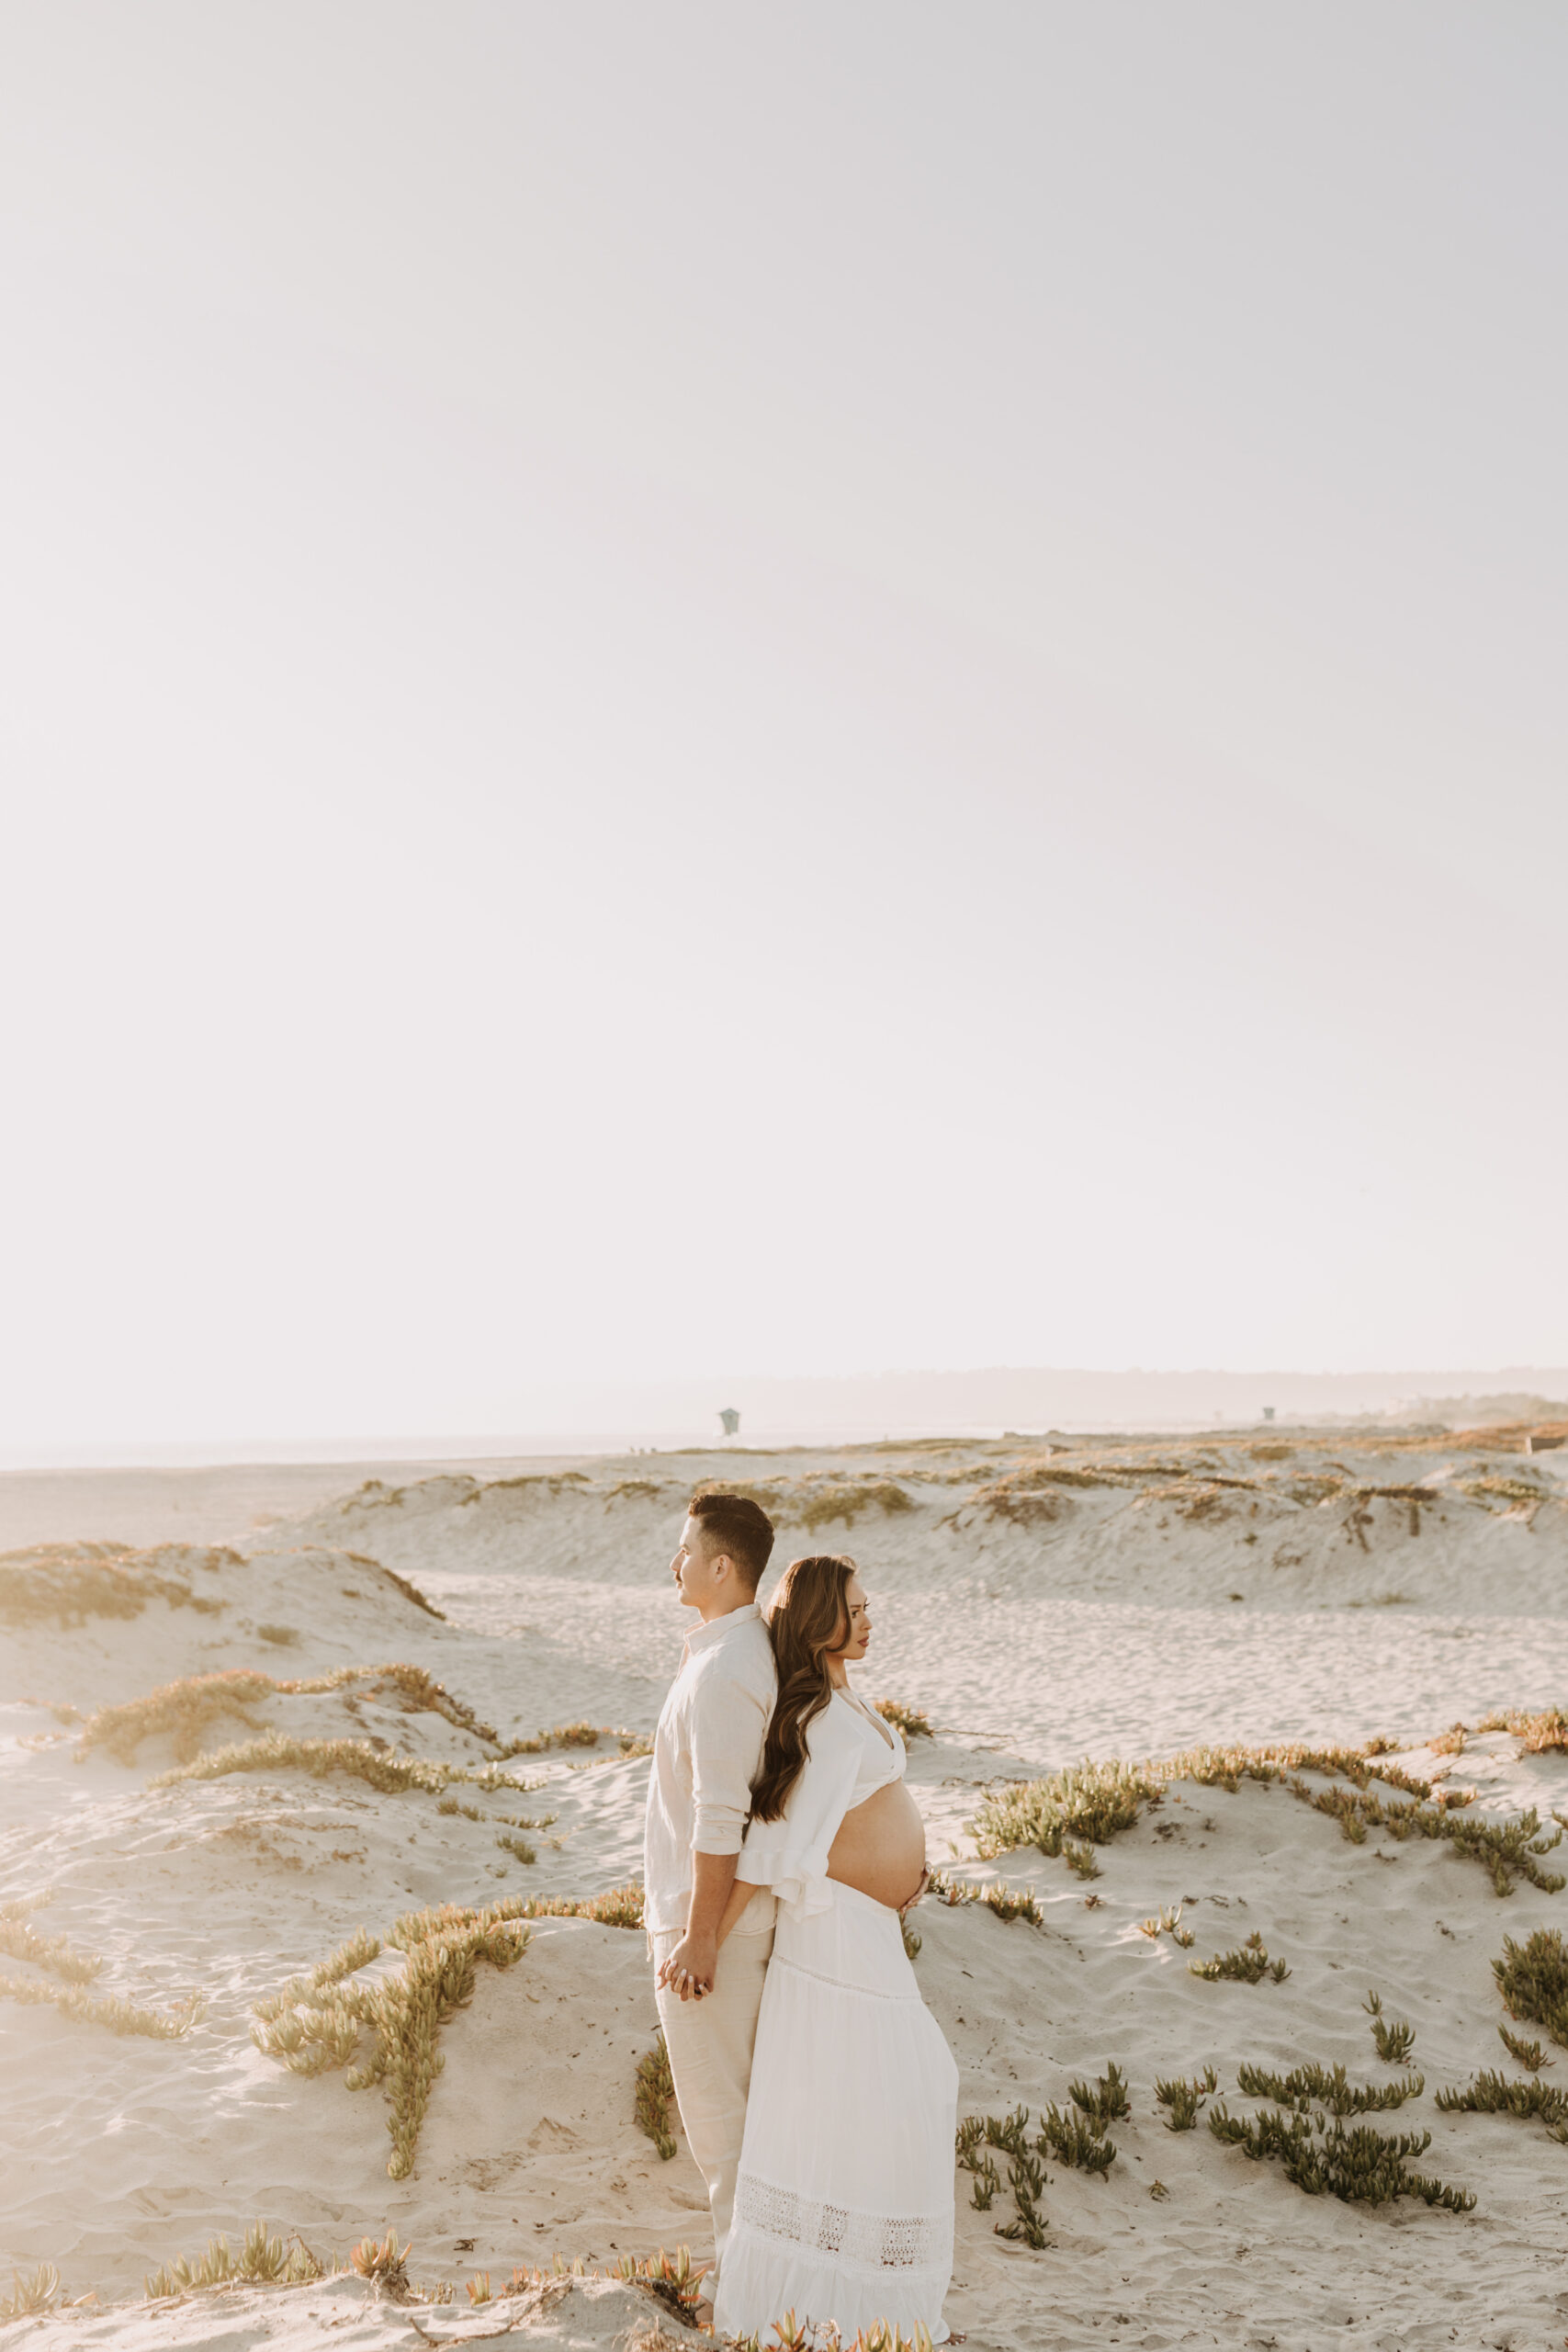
column 872, row 2241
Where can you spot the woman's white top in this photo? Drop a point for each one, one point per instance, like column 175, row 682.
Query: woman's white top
column 848, row 1759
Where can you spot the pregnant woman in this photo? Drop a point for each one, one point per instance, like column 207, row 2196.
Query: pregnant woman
column 843, row 2205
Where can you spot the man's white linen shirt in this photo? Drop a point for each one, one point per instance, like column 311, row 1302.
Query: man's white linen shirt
column 706, row 1753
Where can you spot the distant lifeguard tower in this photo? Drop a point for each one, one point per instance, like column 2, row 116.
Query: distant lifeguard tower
column 1267, row 1412
column 730, row 1421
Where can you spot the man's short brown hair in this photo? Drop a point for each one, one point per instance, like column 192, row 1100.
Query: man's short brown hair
column 735, row 1525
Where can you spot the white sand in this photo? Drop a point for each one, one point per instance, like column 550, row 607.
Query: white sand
column 1098, row 1620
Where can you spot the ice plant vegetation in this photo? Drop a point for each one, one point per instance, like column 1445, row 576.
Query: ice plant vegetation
column 1077, row 2138
column 1331, row 2089
column 185, row 1710
column 379, row 1768
column 315, row 2024
column 1182, row 2100
column 908, row 1721
column 32, row 2294
column 1007, row 1901
column 1493, row 2094
column 655, row 2098
column 68, row 1973
column 1073, row 2139
column 1168, row 1923
column 1524, row 2053
column 1250, row 1965
column 1532, row 1978
column 263, row 2260
column 1107, row 2101
column 1097, row 1802
column 1322, row 2157
column 621, row 1907
column 1393, row 2038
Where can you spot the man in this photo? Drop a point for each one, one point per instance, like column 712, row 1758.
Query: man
column 706, row 1753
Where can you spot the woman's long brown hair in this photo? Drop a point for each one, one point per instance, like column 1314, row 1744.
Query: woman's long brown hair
column 807, row 1619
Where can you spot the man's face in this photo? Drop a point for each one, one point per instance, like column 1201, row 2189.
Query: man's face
column 693, row 1570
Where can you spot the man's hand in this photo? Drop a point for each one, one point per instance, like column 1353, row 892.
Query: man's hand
column 689, row 1971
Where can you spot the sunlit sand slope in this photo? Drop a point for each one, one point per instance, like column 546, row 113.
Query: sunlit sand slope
column 333, row 1758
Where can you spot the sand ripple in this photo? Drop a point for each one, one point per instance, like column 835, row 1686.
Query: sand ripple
column 1056, row 1680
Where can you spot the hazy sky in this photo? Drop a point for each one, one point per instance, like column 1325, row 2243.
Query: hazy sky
column 812, row 688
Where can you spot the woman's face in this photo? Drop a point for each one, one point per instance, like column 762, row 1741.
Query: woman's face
column 858, row 1639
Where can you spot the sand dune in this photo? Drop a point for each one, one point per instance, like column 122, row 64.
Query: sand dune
column 1033, row 1615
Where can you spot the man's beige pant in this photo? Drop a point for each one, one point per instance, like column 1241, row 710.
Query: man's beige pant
column 710, row 2044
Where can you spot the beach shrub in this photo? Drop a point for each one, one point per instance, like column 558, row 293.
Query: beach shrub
column 1322, row 2157
column 518, row 1847
column 306, row 2023
column 977, row 2136
column 1107, row 2101
column 186, row 1708
column 655, row 2098
column 971, row 2152
column 30, row 2294
column 1395, row 2039
column 55, row 1953
column 1506, row 1850
column 409, row 1591
column 115, row 2015
column 845, row 1501
column 906, row 1720
column 72, row 1971
column 1012, row 1903
column 577, row 1735
column 1510, row 1492
column 673, row 2280
column 383, row 2261
column 1329, row 2088
column 263, row 2260
column 1249, row 1965
column 1026, row 2178
column 1183, row 2101
column 1532, row 1978
column 1087, row 1801
column 1168, row 1923
column 1537, row 1734
column 621, row 1907
column 1493, row 2094
column 1525, row 2053
column 1077, row 2138
column 64, row 1583
column 1005, row 1902
column 314, row 2024
column 1097, row 1802
column 380, row 1768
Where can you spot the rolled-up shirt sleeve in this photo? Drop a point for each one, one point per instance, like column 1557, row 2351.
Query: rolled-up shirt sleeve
column 729, row 1723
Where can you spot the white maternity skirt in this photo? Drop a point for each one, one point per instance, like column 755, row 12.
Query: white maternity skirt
column 843, row 2205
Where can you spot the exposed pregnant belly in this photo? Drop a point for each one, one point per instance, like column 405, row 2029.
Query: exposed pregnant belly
column 881, row 1846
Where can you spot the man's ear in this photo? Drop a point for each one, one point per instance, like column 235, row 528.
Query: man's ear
column 722, row 1564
